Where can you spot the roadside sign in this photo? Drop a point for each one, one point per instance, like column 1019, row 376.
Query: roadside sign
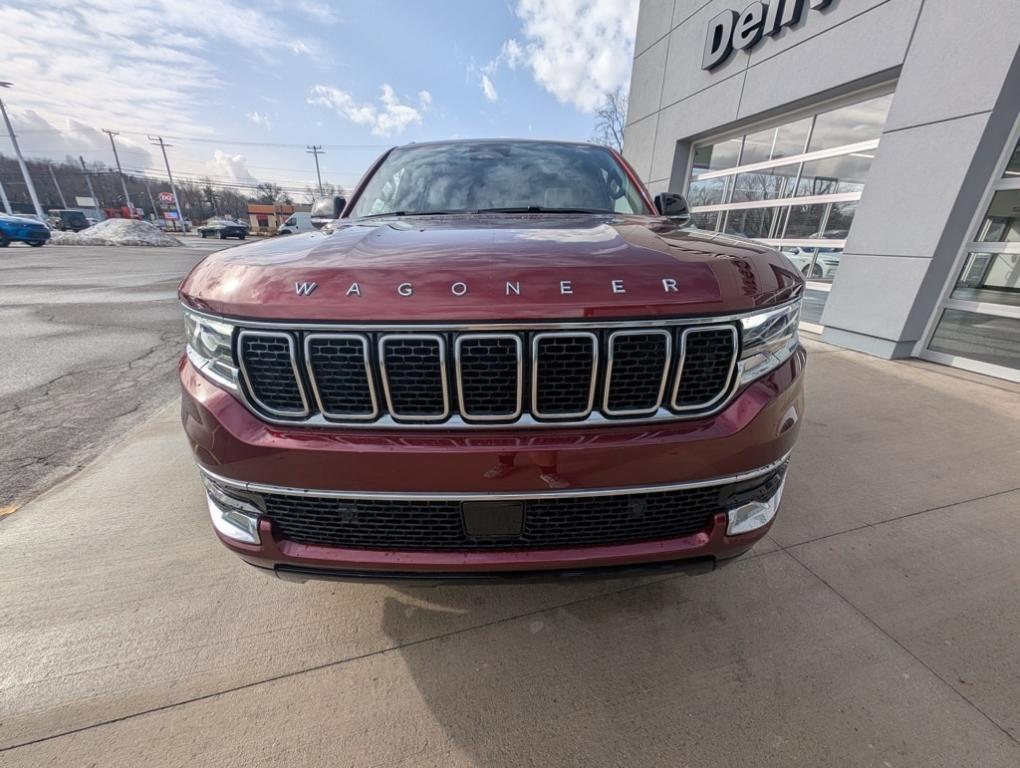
column 172, row 215
column 166, row 198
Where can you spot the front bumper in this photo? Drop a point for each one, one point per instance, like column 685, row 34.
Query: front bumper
column 756, row 431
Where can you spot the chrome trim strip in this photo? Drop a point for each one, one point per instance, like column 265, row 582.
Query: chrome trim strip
column 442, row 375
column 205, row 367
column 593, row 377
column 510, row 326
column 727, row 389
column 607, row 386
column 366, row 359
column 249, row 391
column 520, row 375
column 486, row 496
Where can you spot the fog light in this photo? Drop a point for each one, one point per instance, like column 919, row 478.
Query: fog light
column 232, row 517
column 754, row 515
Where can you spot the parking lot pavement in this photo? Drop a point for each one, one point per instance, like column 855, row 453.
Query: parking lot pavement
column 877, row 626
column 89, row 337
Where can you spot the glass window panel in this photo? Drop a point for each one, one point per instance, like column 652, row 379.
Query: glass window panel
column 709, row 221
column 814, row 263
column 770, row 184
column 756, row 223
column 835, row 175
column 1002, row 222
column 707, row 192
column 805, row 221
column 992, row 278
column 1013, row 169
column 716, row 157
column 850, row 125
column 985, row 338
column 841, row 216
column 774, row 143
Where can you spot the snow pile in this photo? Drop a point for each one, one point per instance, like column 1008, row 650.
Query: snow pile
column 116, row 232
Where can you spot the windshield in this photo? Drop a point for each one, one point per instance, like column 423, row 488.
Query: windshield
column 504, row 177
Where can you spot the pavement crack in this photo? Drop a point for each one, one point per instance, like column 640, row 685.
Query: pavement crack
column 860, row 612
column 343, row 662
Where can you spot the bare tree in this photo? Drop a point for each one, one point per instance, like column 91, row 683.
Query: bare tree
column 610, row 120
column 268, row 192
column 328, row 190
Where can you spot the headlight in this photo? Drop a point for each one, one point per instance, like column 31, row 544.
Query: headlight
column 769, row 339
column 209, row 348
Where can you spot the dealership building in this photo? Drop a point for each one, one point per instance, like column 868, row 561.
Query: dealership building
column 875, row 142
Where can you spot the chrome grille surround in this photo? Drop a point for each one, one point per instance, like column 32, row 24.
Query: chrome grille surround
column 536, row 390
column 679, row 377
column 518, row 379
column 525, row 330
column 390, row 388
column 250, row 389
column 610, row 360
column 313, row 377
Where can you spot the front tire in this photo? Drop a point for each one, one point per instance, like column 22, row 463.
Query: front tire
column 223, row 235
column 204, row 235
column 4, row 240
column 36, row 243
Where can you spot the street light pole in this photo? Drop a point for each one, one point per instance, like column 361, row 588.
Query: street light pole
column 60, row 192
column 21, row 160
column 123, row 181
column 177, row 202
column 316, row 150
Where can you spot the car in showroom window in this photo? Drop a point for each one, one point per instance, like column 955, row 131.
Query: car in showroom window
column 502, row 358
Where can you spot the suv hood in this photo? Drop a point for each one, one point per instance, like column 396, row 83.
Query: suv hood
column 499, row 267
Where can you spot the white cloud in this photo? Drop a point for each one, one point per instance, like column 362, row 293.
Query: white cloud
column 578, row 50
column 149, row 68
column 261, row 119
column 489, row 89
column 231, row 167
column 391, row 116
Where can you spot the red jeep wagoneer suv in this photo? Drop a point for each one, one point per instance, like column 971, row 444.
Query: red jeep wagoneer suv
column 503, row 359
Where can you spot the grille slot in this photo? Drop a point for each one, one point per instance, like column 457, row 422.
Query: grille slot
column 707, row 358
column 269, row 366
column 339, row 367
column 413, row 368
column 528, row 376
column 636, row 372
column 489, row 376
column 564, row 366
column 548, row 522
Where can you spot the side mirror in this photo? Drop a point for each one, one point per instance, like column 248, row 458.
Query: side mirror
column 673, row 206
column 326, row 210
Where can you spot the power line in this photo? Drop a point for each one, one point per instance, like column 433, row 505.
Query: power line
column 127, row 197
column 173, row 189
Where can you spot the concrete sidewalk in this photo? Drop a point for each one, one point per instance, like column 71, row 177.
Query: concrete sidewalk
column 879, row 625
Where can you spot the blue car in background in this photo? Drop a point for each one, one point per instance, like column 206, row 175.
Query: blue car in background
column 22, row 229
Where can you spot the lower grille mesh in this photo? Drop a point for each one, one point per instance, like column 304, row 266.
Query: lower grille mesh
column 553, row 522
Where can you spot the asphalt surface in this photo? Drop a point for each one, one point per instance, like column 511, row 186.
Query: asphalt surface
column 876, row 626
column 89, row 337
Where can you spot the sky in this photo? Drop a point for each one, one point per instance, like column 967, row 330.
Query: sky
column 241, row 88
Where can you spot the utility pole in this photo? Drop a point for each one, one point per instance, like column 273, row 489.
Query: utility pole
column 148, row 191
column 158, row 140
column 316, row 149
column 92, row 192
column 123, row 181
column 4, row 200
column 21, row 160
column 60, row 192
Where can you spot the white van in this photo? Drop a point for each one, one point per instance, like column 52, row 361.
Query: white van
column 298, row 222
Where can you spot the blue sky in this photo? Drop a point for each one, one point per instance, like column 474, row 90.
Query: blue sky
column 230, row 79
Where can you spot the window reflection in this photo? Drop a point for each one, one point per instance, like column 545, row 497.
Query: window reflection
column 716, row 157
column 756, row 223
column 812, row 262
column 992, row 278
column 986, row 338
column 850, row 125
column 774, row 143
column 707, row 192
column 1002, row 222
column 835, row 175
column 1013, row 168
column 770, row 184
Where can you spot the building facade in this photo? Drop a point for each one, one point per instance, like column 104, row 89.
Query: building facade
column 875, row 142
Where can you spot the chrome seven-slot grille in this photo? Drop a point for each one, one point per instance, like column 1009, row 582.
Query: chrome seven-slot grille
column 489, row 378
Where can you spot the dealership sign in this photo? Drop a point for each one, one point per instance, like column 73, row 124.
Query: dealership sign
column 741, row 31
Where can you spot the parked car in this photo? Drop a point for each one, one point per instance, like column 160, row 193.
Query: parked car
column 512, row 363
column 22, row 229
column 223, row 228
column 297, row 222
column 67, row 220
column 822, row 268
